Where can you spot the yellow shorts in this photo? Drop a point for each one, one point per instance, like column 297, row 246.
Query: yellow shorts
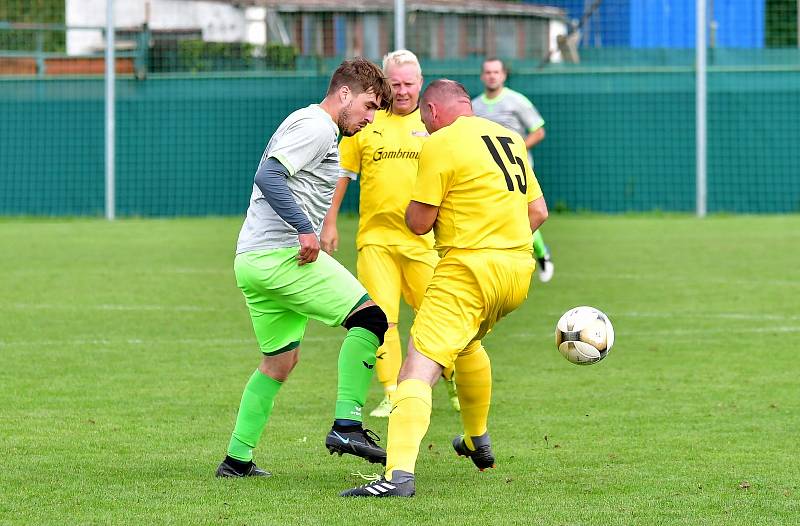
column 389, row 271
column 469, row 292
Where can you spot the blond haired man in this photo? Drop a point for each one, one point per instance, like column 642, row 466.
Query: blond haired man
column 392, row 260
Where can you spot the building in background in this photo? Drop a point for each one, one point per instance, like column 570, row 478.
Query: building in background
column 209, row 21
column 436, row 29
column 670, row 23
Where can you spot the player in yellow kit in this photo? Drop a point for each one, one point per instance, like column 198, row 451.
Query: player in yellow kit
column 476, row 189
column 392, row 260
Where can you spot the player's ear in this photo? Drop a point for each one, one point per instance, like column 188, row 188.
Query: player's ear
column 429, row 123
column 345, row 94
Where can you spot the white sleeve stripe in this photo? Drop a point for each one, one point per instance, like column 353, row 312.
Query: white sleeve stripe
column 285, row 162
column 348, row 174
column 536, row 126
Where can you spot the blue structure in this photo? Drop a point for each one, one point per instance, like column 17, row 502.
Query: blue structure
column 666, row 23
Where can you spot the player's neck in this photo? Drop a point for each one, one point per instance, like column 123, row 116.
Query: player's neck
column 493, row 93
column 454, row 116
column 328, row 107
column 403, row 113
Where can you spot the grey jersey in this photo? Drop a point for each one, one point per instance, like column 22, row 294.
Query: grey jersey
column 306, row 144
column 510, row 109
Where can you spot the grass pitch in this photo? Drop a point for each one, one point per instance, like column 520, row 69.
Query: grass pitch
column 124, row 348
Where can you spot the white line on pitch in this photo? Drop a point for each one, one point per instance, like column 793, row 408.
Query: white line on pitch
column 110, row 307
column 709, row 315
column 678, row 332
column 204, row 342
column 194, row 308
column 755, row 282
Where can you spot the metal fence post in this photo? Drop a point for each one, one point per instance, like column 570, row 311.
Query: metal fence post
column 400, row 24
column 700, row 112
column 110, row 116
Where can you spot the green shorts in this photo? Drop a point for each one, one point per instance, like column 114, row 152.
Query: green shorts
column 283, row 295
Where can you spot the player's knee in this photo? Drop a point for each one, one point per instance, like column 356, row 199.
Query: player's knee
column 279, row 365
column 371, row 318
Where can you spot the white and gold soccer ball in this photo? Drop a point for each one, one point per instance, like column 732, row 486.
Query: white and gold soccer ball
column 584, row 335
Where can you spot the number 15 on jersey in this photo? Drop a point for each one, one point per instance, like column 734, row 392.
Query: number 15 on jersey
column 505, row 142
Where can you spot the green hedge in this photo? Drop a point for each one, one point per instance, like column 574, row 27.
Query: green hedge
column 198, row 56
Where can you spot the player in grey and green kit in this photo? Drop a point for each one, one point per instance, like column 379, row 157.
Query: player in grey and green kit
column 286, row 279
column 514, row 111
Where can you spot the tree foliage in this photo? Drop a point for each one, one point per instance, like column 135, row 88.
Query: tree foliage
column 781, row 23
column 33, row 12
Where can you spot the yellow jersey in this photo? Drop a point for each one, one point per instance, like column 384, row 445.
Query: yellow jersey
column 385, row 154
column 477, row 173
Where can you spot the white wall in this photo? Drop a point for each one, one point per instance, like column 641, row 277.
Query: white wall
column 218, row 22
column 256, row 29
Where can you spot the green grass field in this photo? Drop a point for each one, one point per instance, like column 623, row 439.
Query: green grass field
column 124, row 348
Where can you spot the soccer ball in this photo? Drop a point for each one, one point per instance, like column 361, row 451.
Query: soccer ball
column 584, row 335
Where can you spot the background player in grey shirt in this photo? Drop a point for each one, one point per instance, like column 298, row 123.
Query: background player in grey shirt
column 514, row 111
column 286, row 279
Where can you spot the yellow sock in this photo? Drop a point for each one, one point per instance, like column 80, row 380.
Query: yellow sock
column 408, row 423
column 474, row 384
column 448, row 373
column 387, row 366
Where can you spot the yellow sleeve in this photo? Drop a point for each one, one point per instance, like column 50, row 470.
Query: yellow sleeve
column 350, row 154
column 434, row 174
column 534, row 191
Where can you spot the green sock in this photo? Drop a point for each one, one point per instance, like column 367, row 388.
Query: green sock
column 539, row 250
column 254, row 410
column 356, row 367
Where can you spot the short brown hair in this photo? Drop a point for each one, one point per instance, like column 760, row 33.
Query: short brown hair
column 362, row 76
column 495, row 59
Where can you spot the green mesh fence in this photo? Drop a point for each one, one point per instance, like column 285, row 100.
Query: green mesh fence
column 194, row 113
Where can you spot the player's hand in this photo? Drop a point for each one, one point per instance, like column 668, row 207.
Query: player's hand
column 309, row 248
column 329, row 239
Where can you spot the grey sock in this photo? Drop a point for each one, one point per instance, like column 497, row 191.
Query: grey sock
column 399, row 476
column 482, row 440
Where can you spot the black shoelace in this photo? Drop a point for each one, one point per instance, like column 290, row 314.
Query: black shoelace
column 371, row 437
